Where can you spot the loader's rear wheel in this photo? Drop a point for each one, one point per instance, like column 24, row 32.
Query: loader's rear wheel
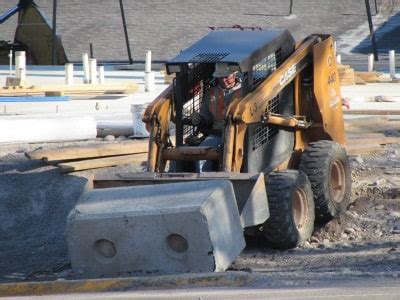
column 291, row 208
column 327, row 167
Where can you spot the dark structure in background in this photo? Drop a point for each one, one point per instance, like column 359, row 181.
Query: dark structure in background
column 33, row 35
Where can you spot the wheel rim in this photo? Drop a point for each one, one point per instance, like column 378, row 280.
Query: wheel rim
column 300, row 208
column 337, row 181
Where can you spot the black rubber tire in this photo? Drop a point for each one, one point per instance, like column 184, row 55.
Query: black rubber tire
column 317, row 162
column 280, row 230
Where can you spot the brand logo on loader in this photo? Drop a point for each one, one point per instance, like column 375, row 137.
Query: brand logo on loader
column 287, row 75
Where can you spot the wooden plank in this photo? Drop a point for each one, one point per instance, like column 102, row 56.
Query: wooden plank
column 371, row 135
column 92, row 151
column 378, row 128
column 383, row 140
column 70, row 90
column 364, row 149
column 20, row 99
column 102, row 162
column 372, row 112
column 369, row 121
column 359, row 80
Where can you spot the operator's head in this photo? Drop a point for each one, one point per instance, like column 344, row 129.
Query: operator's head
column 226, row 77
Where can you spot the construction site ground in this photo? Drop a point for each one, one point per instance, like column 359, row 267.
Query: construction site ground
column 363, row 243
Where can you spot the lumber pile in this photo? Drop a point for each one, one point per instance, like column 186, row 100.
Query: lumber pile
column 61, row 90
column 168, row 79
column 367, row 135
column 372, row 77
column 71, row 159
column 346, row 75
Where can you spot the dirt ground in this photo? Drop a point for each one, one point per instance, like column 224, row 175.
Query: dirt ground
column 364, row 242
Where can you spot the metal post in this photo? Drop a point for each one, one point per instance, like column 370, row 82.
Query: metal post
column 370, row 62
column 54, row 48
column 290, row 7
column 371, row 30
column 128, row 47
column 91, row 50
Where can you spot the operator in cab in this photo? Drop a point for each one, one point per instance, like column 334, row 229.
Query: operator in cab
column 225, row 87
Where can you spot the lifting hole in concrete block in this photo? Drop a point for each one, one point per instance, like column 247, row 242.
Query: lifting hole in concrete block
column 105, row 249
column 177, row 243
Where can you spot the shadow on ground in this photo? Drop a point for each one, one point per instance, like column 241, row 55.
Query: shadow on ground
column 387, row 38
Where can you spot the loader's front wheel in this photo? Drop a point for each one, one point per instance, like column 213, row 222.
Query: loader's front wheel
column 291, row 208
column 328, row 169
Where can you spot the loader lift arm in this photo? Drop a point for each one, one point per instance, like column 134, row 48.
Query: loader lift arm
column 252, row 108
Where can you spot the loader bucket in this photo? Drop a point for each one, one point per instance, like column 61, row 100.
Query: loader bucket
column 163, row 223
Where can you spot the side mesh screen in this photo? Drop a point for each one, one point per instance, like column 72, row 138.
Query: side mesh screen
column 263, row 133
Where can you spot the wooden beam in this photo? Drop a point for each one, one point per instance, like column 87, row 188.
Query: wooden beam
column 364, row 149
column 381, row 140
column 70, row 90
column 102, row 162
column 92, row 151
column 365, row 121
column 372, row 112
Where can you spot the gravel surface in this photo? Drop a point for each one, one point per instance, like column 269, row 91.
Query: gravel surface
column 35, row 200
column 364, row 242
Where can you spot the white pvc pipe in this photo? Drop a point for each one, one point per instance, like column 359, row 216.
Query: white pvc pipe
column 69, row 74
column 149, row 81
column 24, row 129
column 20, row 64
column 10, row 56
column 148, row 62
column 149, row 77
column 370, row 62
column 85, row 65
column 392, row 64
column 334, row 47
column 100, row 70
column 93, row 71
column 339, row 59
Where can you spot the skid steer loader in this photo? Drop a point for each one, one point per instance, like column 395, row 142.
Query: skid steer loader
column 281, row 151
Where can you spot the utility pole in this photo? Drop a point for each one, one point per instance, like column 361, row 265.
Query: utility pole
column 290, row 7
column 54, row 40
column 371, row 30
column 128, row 47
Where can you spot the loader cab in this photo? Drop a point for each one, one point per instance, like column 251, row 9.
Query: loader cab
column 253, row 55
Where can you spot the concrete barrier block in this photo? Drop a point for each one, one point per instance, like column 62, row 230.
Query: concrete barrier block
column 157, row 229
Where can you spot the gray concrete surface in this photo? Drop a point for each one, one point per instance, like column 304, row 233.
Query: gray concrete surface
column 149, row 230
column 362, row 291
column 261, row 287
column 230, row 285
